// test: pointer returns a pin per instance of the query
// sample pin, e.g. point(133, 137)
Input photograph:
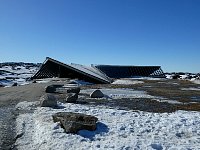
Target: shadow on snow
point(101, 129)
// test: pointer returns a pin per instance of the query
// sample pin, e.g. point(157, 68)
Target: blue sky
point(126, 32)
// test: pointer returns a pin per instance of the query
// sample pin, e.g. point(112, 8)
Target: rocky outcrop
point(48, 100)
point(73, 122)
point(96, 94)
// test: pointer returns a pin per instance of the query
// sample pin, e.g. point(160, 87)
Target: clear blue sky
point(126, 32)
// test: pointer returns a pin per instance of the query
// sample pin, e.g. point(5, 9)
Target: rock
point(73, 90)
point(73, 122)
point(52, 88)
point(14, 84)
point(48, 100)
point(71, 97)
point(175, 76)
point(34, 81)
point(96, 94)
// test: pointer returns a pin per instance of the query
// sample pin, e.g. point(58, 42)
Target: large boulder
point(73, 122)
point(48, 100)
point(96, 94)
point(71, 97)
point(52, 88)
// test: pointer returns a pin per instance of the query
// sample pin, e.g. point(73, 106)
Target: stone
point(48, 100)
point(175, 76)
point(73, 122)
point(52, 88)
point(96, 94)
point(14, 84)
point(71, 97)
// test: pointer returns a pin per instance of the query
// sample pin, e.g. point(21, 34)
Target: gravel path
point(9, 97)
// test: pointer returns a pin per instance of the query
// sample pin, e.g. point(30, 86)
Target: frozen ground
point(127, 81)
point(120, 93)
point(116, 129)
point(18, 74)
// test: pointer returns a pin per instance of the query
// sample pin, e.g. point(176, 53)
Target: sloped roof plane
point(53, 68)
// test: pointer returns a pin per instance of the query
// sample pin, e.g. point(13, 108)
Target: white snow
point(191, 89)
point(120, 93)
point(196, 81)
point(18, 74)
point(185, 76)
point(127, 81)
point(79, 82)
point(147, 78)
point(116, 129)
point(168, 76)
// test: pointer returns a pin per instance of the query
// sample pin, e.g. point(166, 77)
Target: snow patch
point(127, 81)
point(196, 81)
point(190, 89)
point(116, 129)
point(120, 93)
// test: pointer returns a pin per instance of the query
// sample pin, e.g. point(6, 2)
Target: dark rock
point(176, 76)
point(71, 97)
point(14, 84)
point(52, 88)
point(34, 81)
point(96, 94)
point(73, 122)
point(48, 100)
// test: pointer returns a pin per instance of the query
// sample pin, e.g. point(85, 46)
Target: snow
point(79, 82)
point(120, 93)
point(147, 78)
point(191, 89)
point(45, 80)
point(18, 74)
point(116, 129)
point(185, 76)
point(127, 81)
point(168, 76)
point(196, 81)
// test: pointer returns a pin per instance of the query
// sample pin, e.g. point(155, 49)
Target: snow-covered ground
point(120, 93)
point(18, 74)
point(127, 81)
point(116, 129)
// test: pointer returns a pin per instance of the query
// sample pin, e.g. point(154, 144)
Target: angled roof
point(116, 71)
point(53, 68)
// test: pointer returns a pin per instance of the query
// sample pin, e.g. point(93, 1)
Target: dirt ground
point(9, 97)
point(169, 89)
